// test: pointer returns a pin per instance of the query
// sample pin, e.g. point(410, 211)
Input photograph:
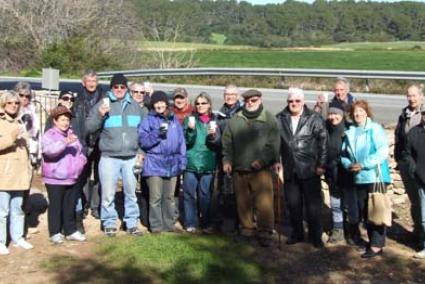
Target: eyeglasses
point(251, 101)
point(138, 92)
point(68, 99)
point(119, 87)
point(13, 103)
point(25, 96)
point(230, 94)
point(294, 101)
point(202, 103)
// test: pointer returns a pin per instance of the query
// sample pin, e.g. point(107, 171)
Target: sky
point(309, 1)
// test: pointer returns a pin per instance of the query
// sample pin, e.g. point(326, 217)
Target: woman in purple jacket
point(63, 162)
point(161, 138)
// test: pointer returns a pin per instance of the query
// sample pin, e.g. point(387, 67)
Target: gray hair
point(89, 73)
point(23, 87)
point(344, 81)
point(7, 96)
point(417, 86)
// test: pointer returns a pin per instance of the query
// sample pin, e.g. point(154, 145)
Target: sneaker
point(57, 239)
point(420, 254)
point(337, 235)
point(22, 243)
point(76, 236)
point(134, 232)
point(3, 250)
point(191, 230)
point(110, 232)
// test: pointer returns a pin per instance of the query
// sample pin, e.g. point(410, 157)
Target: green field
point(393, 45)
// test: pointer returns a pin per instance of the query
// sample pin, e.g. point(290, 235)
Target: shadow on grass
point(170, 258)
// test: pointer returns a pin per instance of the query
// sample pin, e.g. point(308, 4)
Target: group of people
point(191, 162)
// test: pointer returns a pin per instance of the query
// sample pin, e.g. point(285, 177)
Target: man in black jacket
point(415, 155)
point(89, 95)
point(304, 152)
point(410, 117)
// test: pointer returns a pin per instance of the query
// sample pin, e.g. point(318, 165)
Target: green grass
point(392, 45)
point(165, 258)
point(152, 45)
point(363, 60)
point(218, 38)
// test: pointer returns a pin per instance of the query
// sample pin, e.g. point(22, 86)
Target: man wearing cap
point(250, 147)
point(89, 95)
point(304, 152)
point(415, 155)
point(410, 117)
point(117, 117)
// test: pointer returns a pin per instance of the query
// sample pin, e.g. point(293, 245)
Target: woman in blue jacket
point(161, 138)
point(365, 154)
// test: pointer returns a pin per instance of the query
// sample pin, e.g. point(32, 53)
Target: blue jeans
point(197, 187)
point(336, 206)
point(11, 201)
point(110, 170)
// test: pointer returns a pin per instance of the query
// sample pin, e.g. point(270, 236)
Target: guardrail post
point(366, 87)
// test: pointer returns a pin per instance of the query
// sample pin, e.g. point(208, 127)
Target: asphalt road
point(386, 108)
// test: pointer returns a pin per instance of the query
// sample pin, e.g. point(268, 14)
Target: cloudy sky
point(310, 1)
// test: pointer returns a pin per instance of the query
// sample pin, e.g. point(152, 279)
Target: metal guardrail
point(277, 72)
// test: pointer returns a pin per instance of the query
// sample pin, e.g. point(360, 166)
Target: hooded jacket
point(306, 150)
point(62, 162)
point(165, 156)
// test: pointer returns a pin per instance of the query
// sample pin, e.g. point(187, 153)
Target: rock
point(399, 191)
point(398, 199)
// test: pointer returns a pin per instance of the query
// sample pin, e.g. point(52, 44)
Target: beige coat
point(15, 166)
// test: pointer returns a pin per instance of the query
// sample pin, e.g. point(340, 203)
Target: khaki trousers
point(254, 190)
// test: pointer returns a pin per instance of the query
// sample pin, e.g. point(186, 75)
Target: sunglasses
point(71, 99)
point(294, 101)
point(251, 101)
point(138, 92)
point(25, 96)
point(119, 87)
point(13, 103)
point(203, 103)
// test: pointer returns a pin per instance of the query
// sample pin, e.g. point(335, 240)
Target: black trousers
point(89, 185)
point(308, 192)
point(61, 214)
point(356, 203)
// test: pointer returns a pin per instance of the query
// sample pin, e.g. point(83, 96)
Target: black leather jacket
point(303, 152)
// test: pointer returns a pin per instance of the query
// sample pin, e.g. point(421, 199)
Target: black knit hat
point(118, 79)
point(159, 96)
point(336, 107)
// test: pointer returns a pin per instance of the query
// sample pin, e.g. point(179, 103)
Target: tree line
point(291, 23)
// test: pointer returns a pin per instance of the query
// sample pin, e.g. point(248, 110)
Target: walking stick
point(279, 179)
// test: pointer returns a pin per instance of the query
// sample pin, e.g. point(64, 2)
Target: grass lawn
point(367, 45)
point(168, 258)
point(362, 59)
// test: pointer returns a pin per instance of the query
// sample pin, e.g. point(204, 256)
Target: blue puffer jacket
point(369, 147)
point(165, 157)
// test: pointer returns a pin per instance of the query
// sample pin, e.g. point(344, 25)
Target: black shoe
point(370, 253)
point(265, 242)
point(134, 232)
point(293, 240)
point(110, 232)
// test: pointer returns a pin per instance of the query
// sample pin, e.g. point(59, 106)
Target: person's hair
point(344, 81)
point(362, 104)
point(135, 83)
point(23, 87)
point(89, 73)
point(417, 86)
point(230, 86)
point(7, 96)
point(204, 95)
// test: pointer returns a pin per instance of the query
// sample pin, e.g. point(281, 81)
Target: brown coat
point(15, 167)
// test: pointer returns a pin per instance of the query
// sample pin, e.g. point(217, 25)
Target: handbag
point(379, 204)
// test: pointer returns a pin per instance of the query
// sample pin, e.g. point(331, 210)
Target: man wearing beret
point(250, 148)
point(117, 116)
point(304, 154)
